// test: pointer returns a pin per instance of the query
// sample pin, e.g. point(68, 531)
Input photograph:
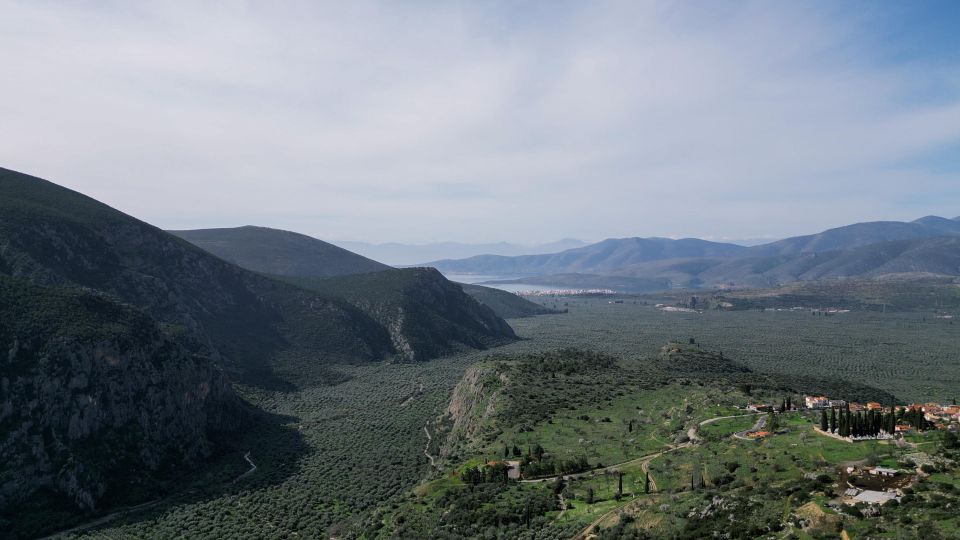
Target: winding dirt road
point(253, 467)
point(426, 449)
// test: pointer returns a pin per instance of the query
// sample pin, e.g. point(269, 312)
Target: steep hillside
point(282, 253)
point(54, 236)
point(289, 254)
point(96, 396)
point(425, 314)
point(600, 258)
point(505, 304)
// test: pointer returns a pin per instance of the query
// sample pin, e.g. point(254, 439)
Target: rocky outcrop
point(472, 403)
point(93, 393)
point(425, 314)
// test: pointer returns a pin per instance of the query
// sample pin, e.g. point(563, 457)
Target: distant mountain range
point(860, 234)
point(416, 254)
point(603, 257)
point(929, 245)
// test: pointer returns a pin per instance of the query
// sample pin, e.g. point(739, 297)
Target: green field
point(914, 356)
point(602, 433)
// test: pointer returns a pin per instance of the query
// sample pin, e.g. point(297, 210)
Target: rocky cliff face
point(434, 316)
point(93, 392)
point(472, 405)
point(425, 314)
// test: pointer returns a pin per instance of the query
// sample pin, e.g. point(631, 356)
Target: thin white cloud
point(476, 122)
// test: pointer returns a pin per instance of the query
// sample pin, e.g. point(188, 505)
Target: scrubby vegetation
point(931, 295)
point(910, 355)
point(361, 455)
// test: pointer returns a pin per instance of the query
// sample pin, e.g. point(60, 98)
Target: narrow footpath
point(426, 449)
point(253, 467)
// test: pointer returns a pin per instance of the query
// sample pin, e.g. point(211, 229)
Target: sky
point(486, 121)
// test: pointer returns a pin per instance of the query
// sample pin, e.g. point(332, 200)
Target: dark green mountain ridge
point(56, 237)
point(283, 253)
point(98, 395)
point(287, 254)
point(425, 314)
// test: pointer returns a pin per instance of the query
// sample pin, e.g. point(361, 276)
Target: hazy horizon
point(479, 123)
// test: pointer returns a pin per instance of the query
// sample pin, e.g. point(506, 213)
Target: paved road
point(761, 422)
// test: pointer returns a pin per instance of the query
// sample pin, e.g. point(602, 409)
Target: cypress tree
point(823, 420)
point(646, 484)
point(833, 420)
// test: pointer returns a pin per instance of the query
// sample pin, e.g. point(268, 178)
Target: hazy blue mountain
point(273, 251)
point(415, 254)
point(857, 235)
point(905, 258)
point(947, 226)
point(603, 257)
point(858, 250)
point(939, 255)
